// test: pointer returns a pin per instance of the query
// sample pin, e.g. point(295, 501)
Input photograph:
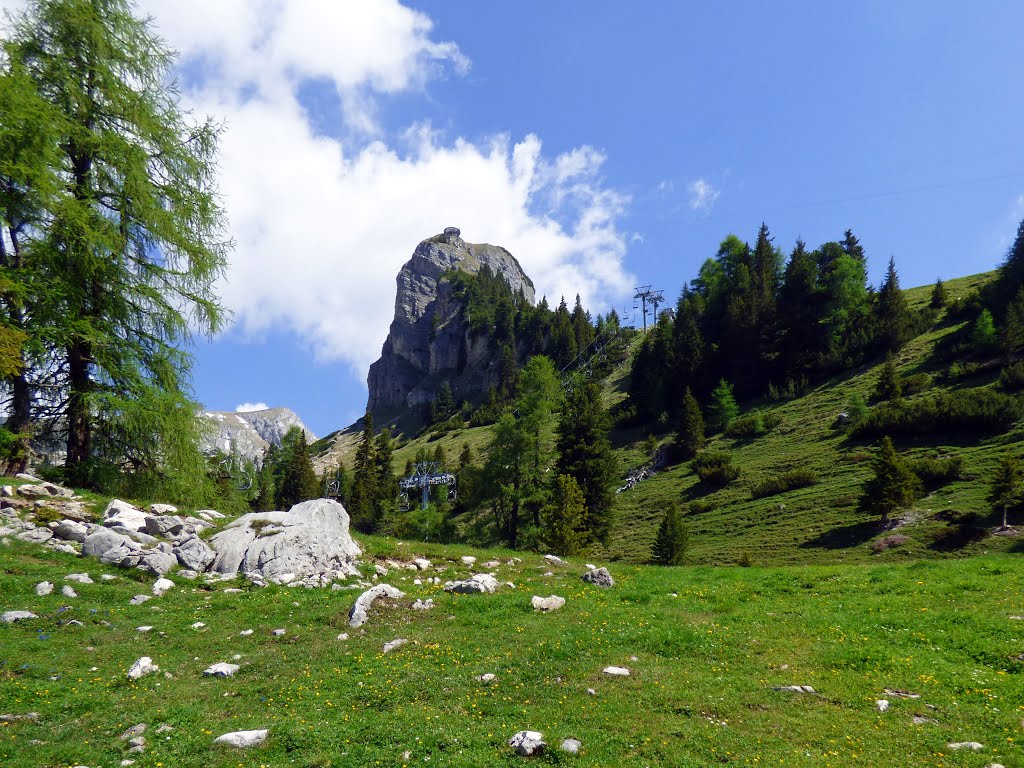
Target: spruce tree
point(563, 520)
point(689, 428)
point(298, 478)
point(722, 409)
point(672, 538)
point(892, 315)
point(585, 453)
point(1011, 335)
point(385, 482)
point(889, 385)
point(1007, 489)
point(940, 297)
point(983, 336)
point(134, 240)
point(363, 498)
point(893, 486)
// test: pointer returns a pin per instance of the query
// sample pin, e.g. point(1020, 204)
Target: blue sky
point(606, 144)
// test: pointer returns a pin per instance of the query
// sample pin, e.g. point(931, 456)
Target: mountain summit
point(429, 341)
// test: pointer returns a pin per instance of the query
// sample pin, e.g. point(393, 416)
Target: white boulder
point(242, 739)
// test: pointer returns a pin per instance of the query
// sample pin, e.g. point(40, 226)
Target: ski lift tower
point(646, 295)
point(424, 475)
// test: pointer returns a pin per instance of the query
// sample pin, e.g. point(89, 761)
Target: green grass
point(709, 645)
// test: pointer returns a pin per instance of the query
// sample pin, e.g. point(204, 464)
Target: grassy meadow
point(706, 647)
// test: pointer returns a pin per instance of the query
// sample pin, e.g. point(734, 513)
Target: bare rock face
point(250, 434)
point(429, 340)
point(310, 540)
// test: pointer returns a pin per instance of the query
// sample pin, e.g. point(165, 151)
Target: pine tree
point(266, 494)
point(722, 409)
point(1012, 333)
point(363, 498)
point(983, 336)
point(672, 539)
point(585, 453)
point(1011, 275)
point(385, 482)
point(940, 296)
point(689, 428)
point(134, 240)
point(298, 478)
point(893, 485)
point(563, 519)
point(892, 315)
point(1007, 490)
point(889, 385)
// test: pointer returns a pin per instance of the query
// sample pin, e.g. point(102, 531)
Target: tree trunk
point(79, 425)
point(19, 421)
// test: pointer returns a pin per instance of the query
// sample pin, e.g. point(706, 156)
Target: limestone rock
point(360, 612)
point(80, 578)
point(142, 667)
point(221, 669)
point(616, 671)
point(242, 739)
point(44, 588)
point(157, 562)
point(160, 586)
point(163, 509)
point(527, 743)
point(101, 540)
point(397, 643)
point(71, 530)
point(134, 732)
point(547, 604)
point(429, 341)
point(68, 591)
point(250, 434)
point(35, 535)
point(193, 554)
point(487, 677)
point(122, 514)
point(555, 560)
point(477, 583)
point(421, 563)
point(599, 577)
point(9, 617)
point(572, 746)
point(163, 525)
point(467, 560)
point(139, 599)
point(971, 746)
point(311, 539)
point(882, 705)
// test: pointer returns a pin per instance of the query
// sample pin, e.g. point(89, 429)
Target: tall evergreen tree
point(889, 385)
point(722, 409)
point(363, 498)
point(585, 453)
point(582, 326)
point(385, 482)
point(892, 315)
point(562, 344)
point(672, 538)
point(1011, 335)
point(133, 242)
point(893, 486)
point(298, 478)
point(940, 296)
point(1007, 489)
point(1011, 275)
point(563, 519)
point(799, 329)
point(689, 428)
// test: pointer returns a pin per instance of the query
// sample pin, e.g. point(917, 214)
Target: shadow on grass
point(964, 528)
point(844, 536)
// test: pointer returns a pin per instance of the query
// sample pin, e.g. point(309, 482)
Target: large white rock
point(360, 612)
point(528, 743)
point(143, 666)
point(12, 616)
point(44, 588)
point(547, 604)
point(160, 586)
point(35, 535)
point(121, 513)
point(71, 530)
point(193, 554)
point(100, 540)
point(310, 539)
point(242, 739)
point(221, 669)
point(477, 583)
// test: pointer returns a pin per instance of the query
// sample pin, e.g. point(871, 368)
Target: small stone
point(144, 629)
point(591, 692)
point(126, 763)
point(423, 605)
point(342, 637)
point(897, 694)
point(972, 746)
point(144, 666)
point(922, 720)
point(74, 623)
point(139, 599)
point(599, 577)
point(616, 671)
point(547, 604)
point(478, 583)
point(134, 731)
point(467, 560)
point(138, 744)
point(421, 563)
point(237, 656)
point(246, 632)
point(108, 577)
point(68, 591)
point(221, 669)
point(492, 564)
point(44, 588)
point(882, 705)
point(160, 586)
point(27, 716)
point(9, 617)
point(794, 688)
point(527, 743)
point(81, 578)
point(279, 632)
point(572, 746)
point(398, 643)
point(555, 560)
point(242, 739)
point(231, 591)
point(164, 728)
point(198, 625)
point(486, 678)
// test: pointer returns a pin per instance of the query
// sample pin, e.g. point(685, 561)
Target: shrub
point(699, 507)
point(971, 411)
point(715, 468)
point(745, 560)
point(1011, 378)
point(753, 425)
point(915, 384)
point(785, 481)
point(935, 471)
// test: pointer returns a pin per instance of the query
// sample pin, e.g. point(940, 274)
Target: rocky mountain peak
point(249, 434)
point(428, 343)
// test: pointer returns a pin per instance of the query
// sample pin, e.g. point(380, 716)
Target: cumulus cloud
point(702, 196)
point(249, 407)
point(322, 223)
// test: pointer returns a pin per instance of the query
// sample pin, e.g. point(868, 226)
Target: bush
point(699, 507)
point(915, 384)
point(753, 425)
point(1011, 378)
point(935, 471)
point(786, 481)
point(970, 411)
point(715, 468)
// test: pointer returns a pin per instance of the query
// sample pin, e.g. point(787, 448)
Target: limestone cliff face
point(250, 434)
point(429, 341)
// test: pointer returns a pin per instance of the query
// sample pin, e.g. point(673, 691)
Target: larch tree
point(134, 237)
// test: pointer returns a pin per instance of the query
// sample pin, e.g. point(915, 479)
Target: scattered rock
point(123, 515)
point(80, 578)
point(528, 743)
point(134, 732)
point(144, 629)
point(44, 588)
point(794, 688)
point(279, 632)
point(193, 553)
point(163, 509)
point(423, 605)
point(896, 694)
point(242, 739)
point(591, 692)
point(547, 604)
point(25, 716)
point(27, 477)
point(198, 625)
point(10, 617)
point(486, 678)
point(555, 560)
point(467, 560)
point(492, 564)
point(160, 586)
point(922, 720)
point(599, 577)
point(139, 599)
point(144, 666)
point(71, 530)
point(342, 637)
point(246, 632)
point(616, 671)
point(422, 563)
point(35, 535)
point(397, 643)
point(221, 669)
point(360, 612)
point(572, 746)
point(475, 584)
point(99, 541)
point(882, 705)
point(973, 746)
point(68, 591)
point(164, 728)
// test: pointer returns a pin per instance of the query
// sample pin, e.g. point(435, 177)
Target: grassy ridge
point(706, 647)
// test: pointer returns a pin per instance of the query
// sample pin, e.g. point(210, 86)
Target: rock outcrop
point(429, 340)
point(249, 434)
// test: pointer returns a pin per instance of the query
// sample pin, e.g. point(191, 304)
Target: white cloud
point(702, 196)
point(322, 225)
point(249, 407)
